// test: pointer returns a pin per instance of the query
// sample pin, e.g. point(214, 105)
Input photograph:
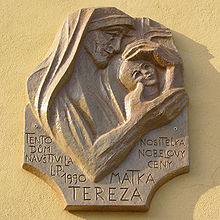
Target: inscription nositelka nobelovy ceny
point(106, 123)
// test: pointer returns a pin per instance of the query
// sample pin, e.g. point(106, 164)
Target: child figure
point(139, 75)
point(132, 72)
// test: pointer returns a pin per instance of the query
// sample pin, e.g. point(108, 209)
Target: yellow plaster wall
point(27, 28)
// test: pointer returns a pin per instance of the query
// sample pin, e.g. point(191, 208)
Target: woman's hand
point(157, 112)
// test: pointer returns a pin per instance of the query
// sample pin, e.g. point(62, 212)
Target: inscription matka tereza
point(106, 122)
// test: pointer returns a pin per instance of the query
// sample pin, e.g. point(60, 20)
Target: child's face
point(132, 72)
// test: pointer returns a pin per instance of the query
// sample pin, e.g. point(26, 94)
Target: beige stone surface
point(158, 157)
point(104, 119)
point(27, 30)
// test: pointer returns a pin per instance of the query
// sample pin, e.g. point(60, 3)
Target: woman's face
point(132, 72)
point(104, 44)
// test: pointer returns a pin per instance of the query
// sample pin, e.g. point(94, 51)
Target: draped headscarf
point(49, 77)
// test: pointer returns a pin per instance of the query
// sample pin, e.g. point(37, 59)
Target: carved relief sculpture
point(109, 92)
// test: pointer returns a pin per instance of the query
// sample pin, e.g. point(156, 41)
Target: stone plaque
point(106, 123)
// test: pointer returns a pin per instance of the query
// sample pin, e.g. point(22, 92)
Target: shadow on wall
point(202, 85)
point(177, 198)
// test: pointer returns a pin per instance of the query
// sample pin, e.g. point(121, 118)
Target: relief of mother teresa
point(77, 97)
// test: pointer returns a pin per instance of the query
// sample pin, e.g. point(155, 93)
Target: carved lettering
point(139, 178)
point(167, 154)
point(162, 142)
point(136, 194)
point(98, 191)
point(123, 195)
point(126, 178)
point(113, 175)
point(85, 193)
point(41, 139)
point(150, 179)
point(159, 164)
point(56, 170)
point(111, 194)
point(73, 178)
point(74, 189)
point(133, 177)
point(133, 172)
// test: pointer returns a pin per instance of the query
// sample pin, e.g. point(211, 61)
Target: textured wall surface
point(27, 29)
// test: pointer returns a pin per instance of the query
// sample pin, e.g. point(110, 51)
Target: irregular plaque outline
point(68, 102)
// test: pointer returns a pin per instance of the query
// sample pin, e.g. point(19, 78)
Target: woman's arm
point(113, 147)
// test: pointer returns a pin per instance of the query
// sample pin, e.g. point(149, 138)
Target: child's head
point(140, 66)
point(134, 71)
